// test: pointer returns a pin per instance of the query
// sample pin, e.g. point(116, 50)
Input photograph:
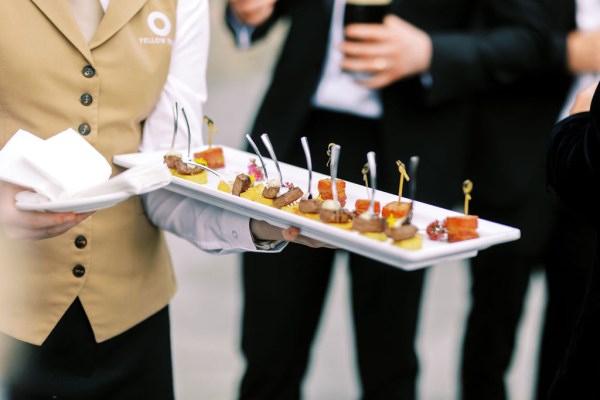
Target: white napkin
point(66, 166)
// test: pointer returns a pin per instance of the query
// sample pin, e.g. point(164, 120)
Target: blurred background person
point(507, 164)
point(574, 242)
point(422, 64)
point(573, 166)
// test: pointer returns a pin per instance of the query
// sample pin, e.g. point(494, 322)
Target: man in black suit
point(425, 61)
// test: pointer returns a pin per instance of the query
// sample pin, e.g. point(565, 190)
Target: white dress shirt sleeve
point(210, 228)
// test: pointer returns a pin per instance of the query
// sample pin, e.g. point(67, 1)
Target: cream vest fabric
point(43, 55)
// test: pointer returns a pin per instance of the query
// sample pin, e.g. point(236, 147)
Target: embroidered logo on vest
point(160, 25)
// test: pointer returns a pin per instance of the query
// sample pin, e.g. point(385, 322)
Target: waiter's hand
point(32, 225)
point(583, 100)
point(583, 51)
point(252, 12)
point(262, 230)
point(390, 51)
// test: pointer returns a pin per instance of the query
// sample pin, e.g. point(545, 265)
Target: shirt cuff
point(242, 236)
point(268, 244)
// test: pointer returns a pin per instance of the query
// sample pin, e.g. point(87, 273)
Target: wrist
point(264, 235)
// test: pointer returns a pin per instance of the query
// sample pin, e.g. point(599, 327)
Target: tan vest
point(45, 86)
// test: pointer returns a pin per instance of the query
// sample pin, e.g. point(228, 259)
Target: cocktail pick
point(190, 160)
point(175, 127)
point(269, 146)
point(334, 155)
point(467, 187)
point(204, 167)
point(403, 176)
point(372, 170)
point(187, 124)
point(262, 161)
point(304, 141)
point(211, 129)
point(412, 168)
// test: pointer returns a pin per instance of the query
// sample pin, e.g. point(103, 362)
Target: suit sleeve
point(507, 40)
point(573, 161)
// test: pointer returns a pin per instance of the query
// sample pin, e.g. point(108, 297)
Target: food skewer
point(204, 167)
point(273, 187)
point(269, 146)
point(334, 154)
point(412, 167)
point(308, 204)
point(211, 129)
point(213, 155)
point(190, 161)
point(372, 171)
point(304, 141)
point(175, 127)
point(462, 227)
point(361, 206)
point(331, 211)
point(412, 188)
point(398, 208)
point(369, 222)
point(467, 188)
point(403, 176)
point(187, 124)
point(280, 199)
point(262, 161)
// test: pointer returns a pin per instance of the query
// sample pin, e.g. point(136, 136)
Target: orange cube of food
point(214, 157)
point(324, 187)
point(398, 209)
point(461, 227)
point(362, 205)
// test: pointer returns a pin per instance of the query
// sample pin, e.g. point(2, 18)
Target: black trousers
point(568, 270)
point(500, 277)
point(578, 376)
point(284, 293)
point(70, 365)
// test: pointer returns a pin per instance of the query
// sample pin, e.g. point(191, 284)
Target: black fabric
point(284, 293)
point(573, 178)
point(572, 253)
point(70, 365)
point(579, 374)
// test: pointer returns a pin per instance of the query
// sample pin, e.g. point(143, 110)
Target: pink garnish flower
point(255, 170)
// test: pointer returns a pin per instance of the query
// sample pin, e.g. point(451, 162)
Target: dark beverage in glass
point(365, 11)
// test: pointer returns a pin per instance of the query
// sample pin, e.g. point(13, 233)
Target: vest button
point(78, 271)
point(80, 242)
point(86, 99)
point(88, 71)
point(84, 129)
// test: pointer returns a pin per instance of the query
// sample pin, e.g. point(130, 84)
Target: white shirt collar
point(104, 4)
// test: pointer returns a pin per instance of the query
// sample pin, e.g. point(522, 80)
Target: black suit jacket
point(573, 173)
point(477, 44)
point(509, 138)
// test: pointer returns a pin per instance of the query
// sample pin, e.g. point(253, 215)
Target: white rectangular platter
point(432, 252)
